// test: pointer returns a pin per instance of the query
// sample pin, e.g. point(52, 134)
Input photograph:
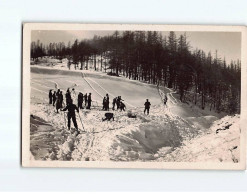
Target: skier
point(89, 101)
point(80, 100)
point(85, 98)
point(165, 100)
point(67, 96)
point(50, 96)
point(54, 98)
point(147, 106)
point(114, 101)
point(107, 102)
point(71, 114)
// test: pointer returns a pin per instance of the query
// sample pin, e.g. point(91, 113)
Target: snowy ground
point(178, 132)
point(219, 144)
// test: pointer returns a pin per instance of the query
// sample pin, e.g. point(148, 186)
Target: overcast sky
point(228, 44)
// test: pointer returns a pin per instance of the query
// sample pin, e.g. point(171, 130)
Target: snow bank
point(161, 136)
point(125, 139)
point(202, 122)
point(221, 143)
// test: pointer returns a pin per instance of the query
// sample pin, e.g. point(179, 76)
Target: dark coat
point(147, 104)
point(71, 108)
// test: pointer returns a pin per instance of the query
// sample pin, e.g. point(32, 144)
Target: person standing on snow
point(71, 114)
point(54, 98)
point(118, 102)
point(104, 103)
point(50, 96)
point(67, 96)
point(73, 95)
point(114, 101)
point(147, 106)
point(107, 102)
point(61, 99)
point(89, 101)
point(85, 98)
point(80, 100)
point(58, 91)
point(58, 102)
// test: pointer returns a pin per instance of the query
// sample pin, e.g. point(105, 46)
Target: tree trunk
point(101, 62)
point(95, 62)
point(87, 63)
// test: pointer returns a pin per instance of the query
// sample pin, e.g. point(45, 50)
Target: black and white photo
point(133, 96)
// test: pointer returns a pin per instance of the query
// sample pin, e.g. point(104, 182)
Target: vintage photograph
point(132, 96)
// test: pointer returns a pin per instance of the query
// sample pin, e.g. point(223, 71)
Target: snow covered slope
point(177, 132)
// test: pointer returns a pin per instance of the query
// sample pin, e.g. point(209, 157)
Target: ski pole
point(81, 122)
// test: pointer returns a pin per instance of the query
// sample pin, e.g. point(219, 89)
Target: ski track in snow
point(92, 86)
point(39, 90)
point(41, 85)
point(113, 96)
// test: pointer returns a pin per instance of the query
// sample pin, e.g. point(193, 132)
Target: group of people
point(84, 101)
point(106, 103)
point(118, 101)
point(56, 98)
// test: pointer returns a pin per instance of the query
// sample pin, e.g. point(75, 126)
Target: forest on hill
point(202, 78)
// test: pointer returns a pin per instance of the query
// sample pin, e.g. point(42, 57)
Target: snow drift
point(220, 143)
point(169, 138)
